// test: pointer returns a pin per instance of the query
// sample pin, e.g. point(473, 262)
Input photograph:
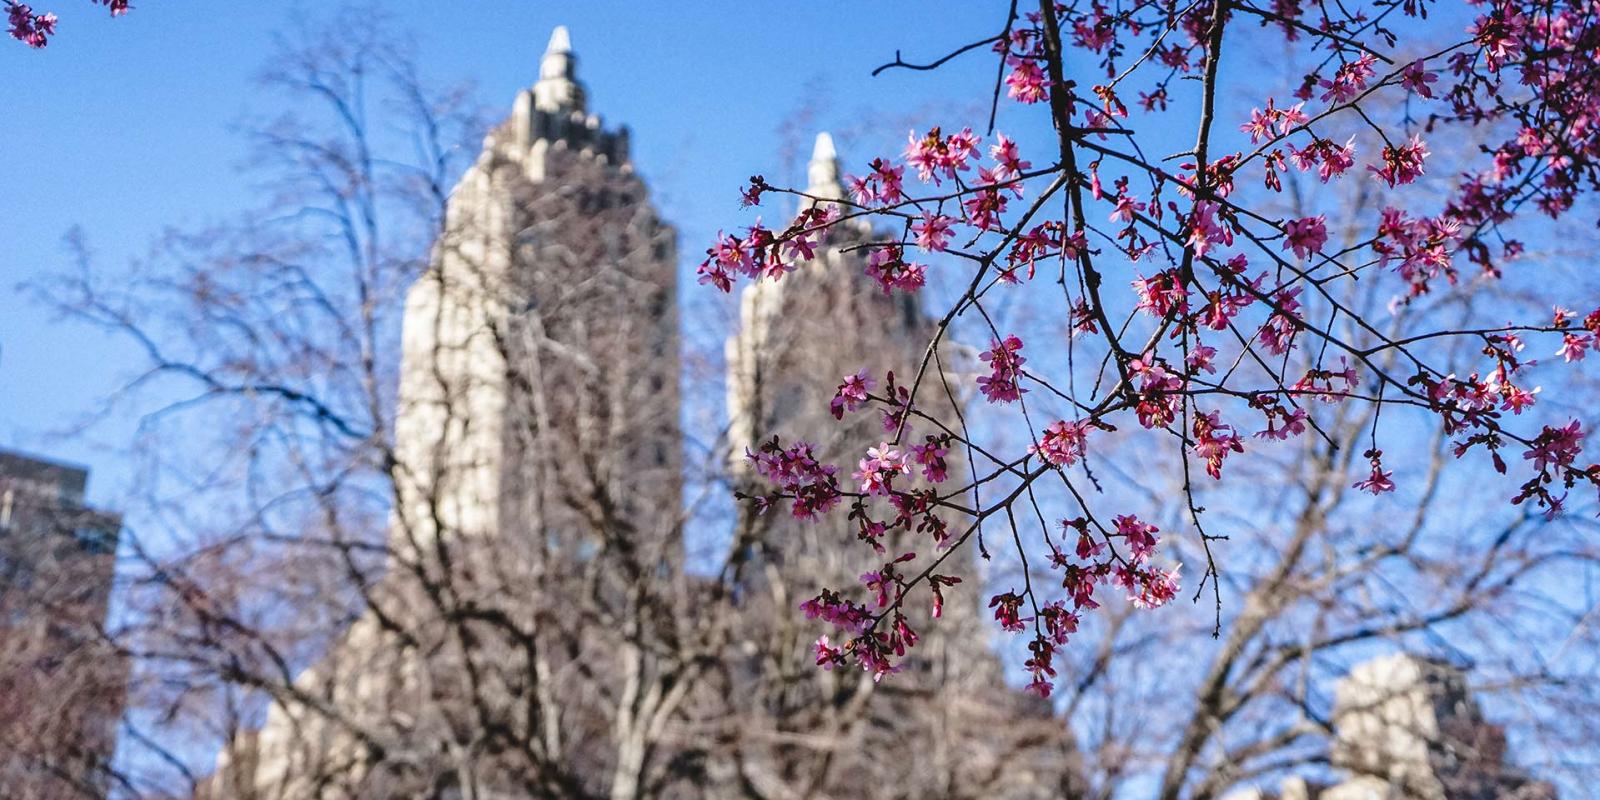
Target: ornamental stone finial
point(822, 174)
point(558, 88)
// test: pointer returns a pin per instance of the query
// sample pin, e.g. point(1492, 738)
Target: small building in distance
point(1409, 727)
point(62, 683)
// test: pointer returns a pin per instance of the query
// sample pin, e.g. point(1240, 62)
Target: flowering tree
point(35, 28)
point(1198, 320)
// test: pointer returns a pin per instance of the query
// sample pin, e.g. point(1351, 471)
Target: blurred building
point(61, 683)
point(797, 338)
point(537, 423)
point(1409, 727)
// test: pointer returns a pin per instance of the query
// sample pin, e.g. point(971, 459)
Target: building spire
point(822, 174)
point(560, 41)
point(558, 88)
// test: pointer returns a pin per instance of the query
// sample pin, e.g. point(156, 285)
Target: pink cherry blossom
point(1062, 443)
point(1305, 236)
point(1161, 294)
point(930, 455)
point(1026, 83)
point(876, 472)
point(1213, 441)
point(1417, 78)
point(1008, 610)
point(1403, 164)
point(1140, 537)
point(933, 232)
point(1378, 481)
point(1153, 588)
point(1556, 447)
point(851, 394)
point(1003, 383)
point(1573, 346)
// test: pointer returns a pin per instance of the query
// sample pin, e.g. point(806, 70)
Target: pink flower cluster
point(1576, 343)
point(1263, 122)
point(1146, 586)
point(1206, 231)
point(1039, 242)
point(1026, 83)
point(933, 232)
point(1329, 385)
point(35, 29)
point(877, 471)
point(1379, 480)
point(1402, 164)
point(811, 484)
point(930, 455)
point(1162, 294)
point(1419, 249)
point(882, 186)
point(1292, 421)
point(761, 253)
point(1349, 79)
point(936, 156)
point(833, 609)
point(1330, 159)
point(1160, 391)
point(1305, 236)
point(888, 267)
point(28, 27)
point(1003, 383)
point(851, 394)
point(1062, 443)
point(1277, 335)
point(873, 646)
point(1213, 441)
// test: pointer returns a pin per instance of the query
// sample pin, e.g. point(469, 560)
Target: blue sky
point(126, 127)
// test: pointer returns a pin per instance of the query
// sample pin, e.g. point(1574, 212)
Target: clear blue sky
point(123, 126)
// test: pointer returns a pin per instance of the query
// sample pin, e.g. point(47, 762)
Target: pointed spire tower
point(550, 239)
point(822, 174)
point(536, 418)
point(825, 180)
point(554, 113)
point(558, 88)
point(797, 337)
point(831, 305)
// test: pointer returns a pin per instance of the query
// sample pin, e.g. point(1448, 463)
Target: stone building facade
point(797, 338)
point(1408, 728)
point(536, 424)
point(539, 492)
point(62, 683)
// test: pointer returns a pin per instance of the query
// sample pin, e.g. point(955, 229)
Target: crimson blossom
point(1208, 325)
point(35, 28)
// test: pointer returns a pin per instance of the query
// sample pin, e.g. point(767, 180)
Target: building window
point(95, 541)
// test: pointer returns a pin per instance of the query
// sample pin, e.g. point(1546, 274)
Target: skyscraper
point(61, 682)
point(798, 337)
point(536, 430)
point(540, 349)
point(537, 632)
